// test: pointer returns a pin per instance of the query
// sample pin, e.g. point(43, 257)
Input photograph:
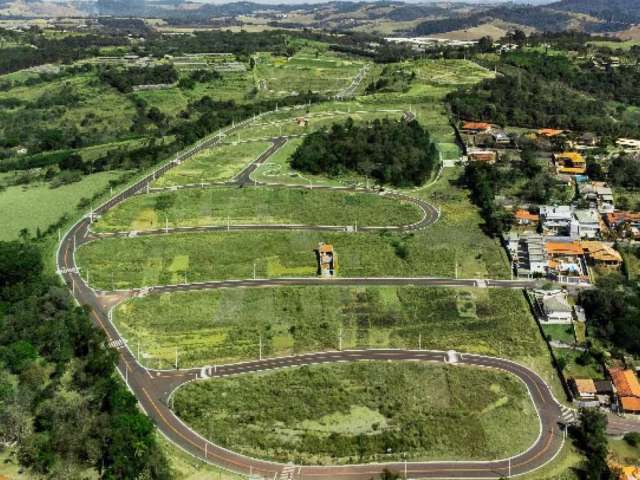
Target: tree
point(591, 438)
point(19, 262)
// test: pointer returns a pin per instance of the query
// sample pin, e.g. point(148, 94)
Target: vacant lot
point(216, 206)
point(214, 164)
point(227, 325)
point(365, 412)
point(309, 69)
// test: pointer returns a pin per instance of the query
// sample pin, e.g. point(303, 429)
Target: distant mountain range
point(465, 19)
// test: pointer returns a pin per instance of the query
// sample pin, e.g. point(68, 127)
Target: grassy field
point(251, 205)
point(144, 261)
point(365, 412)
point(215, 164)
point(455, 245)
point(624, 45)
point(226, 325)
point(308, 69)
point(38, 205)
point(623, 453)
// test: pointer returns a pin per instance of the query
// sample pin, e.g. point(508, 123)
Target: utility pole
point(254, 271)
point(88, 277)
point(176, 358)
point(59, 236)
point(228, 223)
point(166, 224)
point(420, 341)
point(260, 347)
point(340, 339)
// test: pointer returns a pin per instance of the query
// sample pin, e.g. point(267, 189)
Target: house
point(625, 223)
point(558, 220)
point(583, 389)
point(524, 217)
point(555, 307)
point(474, 128)
point(570, 163)
point(501, 138)
point(601, 255)
point(604, 391)
point(566, 259)
point(628, 144)
point(626, 388)
point(527, 253)
point(598, 194)
point(550, 132)
point(588, 223)
point(486, 156)
point(327, 260)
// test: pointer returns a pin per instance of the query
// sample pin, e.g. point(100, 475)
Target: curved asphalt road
point(153, 388)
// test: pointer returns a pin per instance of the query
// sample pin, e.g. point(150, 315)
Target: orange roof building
point(585, 388)
point(601, 253)
point(525, 217)
point(549, 132)
point(615, 219)
point(627, 387)
point(565, 249)
point(476, 127)
point(626, 382)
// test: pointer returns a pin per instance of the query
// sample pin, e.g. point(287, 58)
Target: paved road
point(153, 388)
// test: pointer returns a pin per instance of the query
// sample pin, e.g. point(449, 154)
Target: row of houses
point(620, 391)
point(534, 255)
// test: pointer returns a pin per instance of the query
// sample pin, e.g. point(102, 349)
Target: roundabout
point(154, 388)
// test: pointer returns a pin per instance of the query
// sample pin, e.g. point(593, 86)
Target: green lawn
point(632, 261)
point(214, 327)
point(560, 333)
point(257, 205)
point(38, 205)
point(214, 164)
point(575, 369)
point(365, 412)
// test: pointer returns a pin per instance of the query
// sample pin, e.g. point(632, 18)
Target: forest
point(61, 403)
point(391, 152)
point(528, 100)
point(50, 50)
point(125, 79)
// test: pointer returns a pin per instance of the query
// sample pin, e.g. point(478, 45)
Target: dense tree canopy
point(61, 404)
point(613, 312)
point(393, 152)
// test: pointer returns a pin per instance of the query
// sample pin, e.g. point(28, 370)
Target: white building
point(588, 223)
